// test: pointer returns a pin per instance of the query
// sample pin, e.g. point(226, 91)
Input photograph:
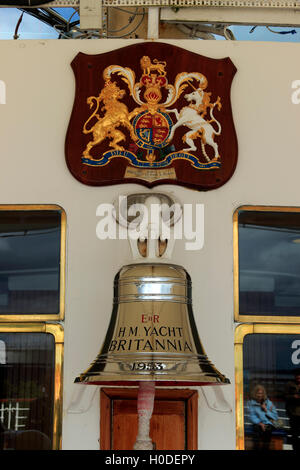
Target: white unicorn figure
point(191, 116)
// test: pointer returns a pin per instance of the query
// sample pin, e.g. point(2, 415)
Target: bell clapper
point(145, 404)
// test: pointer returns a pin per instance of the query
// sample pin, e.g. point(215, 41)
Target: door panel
point(173, 424)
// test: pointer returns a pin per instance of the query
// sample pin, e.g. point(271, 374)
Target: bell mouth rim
point(158, 383)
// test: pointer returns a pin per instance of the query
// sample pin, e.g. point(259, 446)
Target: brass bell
point(152, 335)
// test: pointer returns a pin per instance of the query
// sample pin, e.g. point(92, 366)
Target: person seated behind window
point(262, 414)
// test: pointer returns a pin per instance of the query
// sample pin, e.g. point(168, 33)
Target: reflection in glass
point(269, 263)
point(269, 363)
point(27, 363)
point(29, 261)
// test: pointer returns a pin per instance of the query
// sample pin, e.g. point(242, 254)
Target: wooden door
point(174, 423)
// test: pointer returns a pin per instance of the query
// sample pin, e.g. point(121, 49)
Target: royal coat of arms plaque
point(152, 113)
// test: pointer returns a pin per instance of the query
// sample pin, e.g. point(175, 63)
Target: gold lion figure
point(116, 114)
point(147, 66)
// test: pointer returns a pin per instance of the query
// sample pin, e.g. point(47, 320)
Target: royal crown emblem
point(152, 114)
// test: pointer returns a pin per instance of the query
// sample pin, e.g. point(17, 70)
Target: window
point(266, 355)
point(32, 262)
point(267, 264)
point(30, 386)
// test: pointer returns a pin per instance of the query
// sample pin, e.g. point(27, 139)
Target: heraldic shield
point(152, 113)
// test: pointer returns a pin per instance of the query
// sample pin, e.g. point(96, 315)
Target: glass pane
point(271, 362)
point(27, 365)
point(269, 263)
point(29, 262)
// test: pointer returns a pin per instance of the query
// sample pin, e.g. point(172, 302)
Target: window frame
point(240, 332)
point(24, 317)
point(58, 332)
point(254, 318)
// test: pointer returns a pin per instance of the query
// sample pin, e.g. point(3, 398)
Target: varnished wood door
point(173, 426)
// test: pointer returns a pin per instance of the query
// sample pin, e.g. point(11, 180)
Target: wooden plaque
point(152, 113)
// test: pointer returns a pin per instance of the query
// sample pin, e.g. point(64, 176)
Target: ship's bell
point(152, 335)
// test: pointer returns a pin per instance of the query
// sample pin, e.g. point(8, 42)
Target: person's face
point(259, 394)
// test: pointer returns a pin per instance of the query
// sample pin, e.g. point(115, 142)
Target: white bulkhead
point(34, 116)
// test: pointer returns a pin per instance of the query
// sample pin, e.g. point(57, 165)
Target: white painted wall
point(33, 122)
